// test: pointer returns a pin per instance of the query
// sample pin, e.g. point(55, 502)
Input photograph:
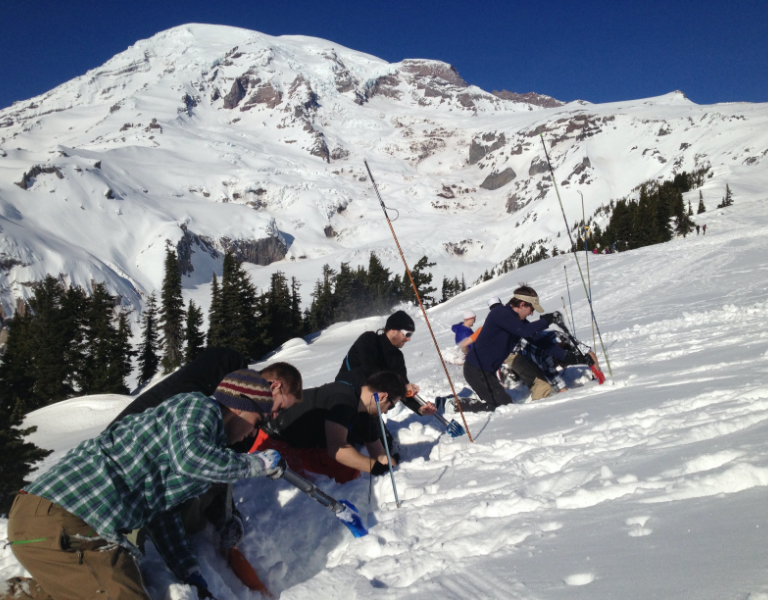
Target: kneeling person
point(318, 436)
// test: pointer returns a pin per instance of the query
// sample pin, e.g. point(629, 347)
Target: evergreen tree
point(702, 208)
point(323, 309)
point(728, 200)
point(380, 289)
point(277, 312)
point(297, 322)
point(193, 335)
point(215, 315)
point(17, 376)
point(690, 209)
point(148, 360)
point(48, 345)
point(422, 278)
point(97, 375)
point(121, 354)
point(17, 456)
point(172, 314)
point(238, 312)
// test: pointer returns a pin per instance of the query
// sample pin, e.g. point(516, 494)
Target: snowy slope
point(650, 486)
point(205, 138)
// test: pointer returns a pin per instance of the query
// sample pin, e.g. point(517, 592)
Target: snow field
point(650, 486)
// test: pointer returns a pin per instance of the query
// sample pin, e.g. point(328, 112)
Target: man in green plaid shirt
point(68, 527)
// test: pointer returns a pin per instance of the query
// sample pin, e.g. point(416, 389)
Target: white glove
point(268, 463)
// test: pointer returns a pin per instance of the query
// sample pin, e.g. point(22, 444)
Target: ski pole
point(418, 299)
point(568, 287)
point(586, 252)
point(386, 447)
point(575, 256)
point(565, 310)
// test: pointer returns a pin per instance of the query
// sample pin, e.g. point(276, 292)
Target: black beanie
point(400, 320)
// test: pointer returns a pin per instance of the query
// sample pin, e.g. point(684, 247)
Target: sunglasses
point(407, 334)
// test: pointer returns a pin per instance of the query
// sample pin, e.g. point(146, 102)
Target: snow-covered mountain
point(208, 138)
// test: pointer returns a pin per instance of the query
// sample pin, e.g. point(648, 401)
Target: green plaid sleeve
point(197, 445)
point(170, 539)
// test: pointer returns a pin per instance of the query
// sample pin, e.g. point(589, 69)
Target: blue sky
point(596, 50)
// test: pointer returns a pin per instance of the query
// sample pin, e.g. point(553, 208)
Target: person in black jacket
point(381, 351)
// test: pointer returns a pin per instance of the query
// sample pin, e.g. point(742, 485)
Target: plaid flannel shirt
point(141, 469)
point(544, 360)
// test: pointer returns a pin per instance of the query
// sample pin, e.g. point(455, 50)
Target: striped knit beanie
point(245, 390)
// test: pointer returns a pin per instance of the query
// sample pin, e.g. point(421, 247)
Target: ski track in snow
point(652, 485)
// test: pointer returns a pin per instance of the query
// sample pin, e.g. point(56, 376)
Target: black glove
point(379, 469)
point(232, 532)
point(550, 318)
point(571, 358)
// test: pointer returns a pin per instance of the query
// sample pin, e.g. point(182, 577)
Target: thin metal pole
point(575, 255)
point(565, 310)
point(586, 252)
point(418, 299)
point(568, 287)
point(386, 447)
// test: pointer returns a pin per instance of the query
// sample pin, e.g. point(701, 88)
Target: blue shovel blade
point(352, 519)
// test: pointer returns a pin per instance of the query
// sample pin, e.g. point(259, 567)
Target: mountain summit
point(210, 138)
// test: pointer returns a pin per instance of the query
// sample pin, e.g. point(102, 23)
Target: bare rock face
point(258, 252)
point(28, 179)
point(426, 70)
point(488, 142)
point(529, 98)
point(236, 93)
point(494, 181)
point(538, 166)
point(186, 246)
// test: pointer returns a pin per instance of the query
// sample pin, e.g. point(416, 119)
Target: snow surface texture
point(650, 486)
point(204, 138)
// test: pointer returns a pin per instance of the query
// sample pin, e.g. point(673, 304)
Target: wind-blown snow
point(650, 486)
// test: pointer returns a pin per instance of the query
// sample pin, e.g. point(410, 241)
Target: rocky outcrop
point(488, 142)
point(529, 98)
point(494, 181)
point(538, 166)
point(28, 179)
point(186, 247)
point(258, 252)
point(236, 93)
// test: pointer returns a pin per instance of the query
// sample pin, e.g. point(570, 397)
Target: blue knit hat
point(245, 390)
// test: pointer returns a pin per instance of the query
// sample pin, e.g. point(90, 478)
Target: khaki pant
point(530, 374)
point(66, 556)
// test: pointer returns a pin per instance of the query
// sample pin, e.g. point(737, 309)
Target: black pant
point(527, 370)
point(488, 387)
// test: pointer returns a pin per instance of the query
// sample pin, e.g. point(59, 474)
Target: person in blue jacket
point(463, 330)
point(501, 333)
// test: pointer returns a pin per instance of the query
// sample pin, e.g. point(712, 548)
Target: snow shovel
point(344, 510)
point(452, 427)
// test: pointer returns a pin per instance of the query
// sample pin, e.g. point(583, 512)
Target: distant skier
point(319, 435)
point(697, 229)
point(501, 333)
point(704, 229)
point(463, 331)
point(67, 528)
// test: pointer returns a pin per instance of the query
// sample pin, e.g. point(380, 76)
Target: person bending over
point(319, 435)
point(501, 333)
point(67, 528)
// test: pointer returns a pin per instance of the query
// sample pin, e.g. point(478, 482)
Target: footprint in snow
point(580, 579)
point(638, 528)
